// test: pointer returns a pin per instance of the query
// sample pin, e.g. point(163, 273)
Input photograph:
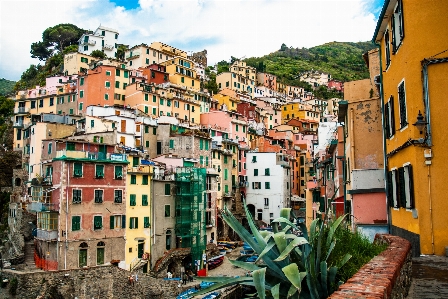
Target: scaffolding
point(190, 209)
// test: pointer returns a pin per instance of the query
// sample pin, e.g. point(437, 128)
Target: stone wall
point(386, 276)
point(94, 282)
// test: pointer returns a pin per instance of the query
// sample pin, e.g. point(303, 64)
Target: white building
point(103, 39)
point(269, 187)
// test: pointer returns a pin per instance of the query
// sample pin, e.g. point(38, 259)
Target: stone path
point(429, 278)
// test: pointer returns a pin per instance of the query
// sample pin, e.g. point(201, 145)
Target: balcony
point(90, 155)
point(18, 125)
point(47, 234)
point(108, 47)
point(36, 206)
point(90, 42)
point(133, 55)
point(21, 110)
point(139, 169)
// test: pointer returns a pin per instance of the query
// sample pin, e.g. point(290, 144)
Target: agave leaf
point(285, 213)
point(286, 229)
point(260, 240)
point(294, 276)
point(244, 265)
point(313, 229)
point(334, 226)
point(280, 241)
point(330, 249)
point(332, 275)
point(266, 250)
point(221, 284)
point(296, 242)
point(284, 220)
point(265, 234)
point(259, 281)
point(344, 260)
point(275, 291)
point(275, 227)
point(292, 290)
point(312, 286)
point(319, 246)
point(323, 278)
point(303, 229)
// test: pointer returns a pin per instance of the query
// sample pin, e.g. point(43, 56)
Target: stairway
point(29, 255)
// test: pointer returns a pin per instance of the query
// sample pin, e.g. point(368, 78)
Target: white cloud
point(224, 27)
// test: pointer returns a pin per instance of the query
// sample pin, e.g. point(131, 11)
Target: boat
point(215, 262)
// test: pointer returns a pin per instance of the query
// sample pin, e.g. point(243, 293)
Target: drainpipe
point(66, 218)
point(383, 121)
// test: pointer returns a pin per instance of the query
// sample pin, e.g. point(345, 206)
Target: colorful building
point(413, 90)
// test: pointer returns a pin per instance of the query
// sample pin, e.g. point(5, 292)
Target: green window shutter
point(214, 155)
point(132, 201)
point(135, 161)
point(50, 145)
point(226, 188)
point(171, 143)
point(206, 161)
point(146, 97)
point(225, 174)
point(117, 84)
point(154, 99)
point(92, 123)
point(145, 222)
point(267, 185)
point(112, 222)
point(201, 144)
point(255, 172)
point(402, 187)
point(225, 159)
point(236, 126)
point(167, 210)
point(146, 129)
point(118, 172)
point(77, 169)
point(123, 221)
point(133, 179)
point(206, 145)
point(145, 180)
point(254, 159)
point(167, 189)
point(154, 131)
point(126, 74)
point(99, 171)
point(81, 81)
point(267, 171)
point(97, 222)
point(76, 223)
point(147, 143)
point(107, 84)
point(201, 160)
point(144, 200)
point(71, 111)
point(154, 111)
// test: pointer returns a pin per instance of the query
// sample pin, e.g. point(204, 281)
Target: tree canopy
point(56, 38)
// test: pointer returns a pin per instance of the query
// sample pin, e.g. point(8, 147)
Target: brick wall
point(386, 276)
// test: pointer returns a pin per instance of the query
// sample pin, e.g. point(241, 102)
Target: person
point(184, 278)
point(169, 274)
point(131, 280)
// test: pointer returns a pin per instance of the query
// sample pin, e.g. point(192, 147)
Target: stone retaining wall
point(92, 282)
point(386, 276)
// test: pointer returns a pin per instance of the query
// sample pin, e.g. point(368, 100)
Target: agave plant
point(288, 265)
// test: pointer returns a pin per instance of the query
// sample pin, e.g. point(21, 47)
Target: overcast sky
point(224, 27)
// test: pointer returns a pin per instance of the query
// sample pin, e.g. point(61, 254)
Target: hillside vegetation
point(6, 86)
point(343, 60)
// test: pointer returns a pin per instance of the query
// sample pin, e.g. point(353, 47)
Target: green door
point(82, 258)
point(141, 246)
point(100, 256)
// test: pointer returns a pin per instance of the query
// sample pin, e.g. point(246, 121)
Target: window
point(126, 74)
point(266, 171)
point(133, 222)
point(167, 189)
point(402, 105)
point(144, 200)
point(50, 145)
point(98, 196)
point(100, 253)
point(118, 198)
point(267, 185)
point(107, 73)
point(117, 221)
point(117, 84)
point(145, 179)
point(255, 172)
point(397, 27)
point(389, 118)
point(167, 210)
point(76, 196)
point(106, 96)
point(171, 143)
point(266, 202)
point(146, 222)
point(99, 171)
point(77, 169)
point(97, 222)
point(51, 101)
point(254, 159)
point(41, 103)
point(256, 185)
point(206, 145)
point(387, 48)
point(133, 179)
point(118, 172)
point(400, 187)
point(76, 223)
point(226, 175)
point(33, 104)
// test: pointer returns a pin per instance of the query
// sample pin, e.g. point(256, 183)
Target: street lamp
point(420, 123)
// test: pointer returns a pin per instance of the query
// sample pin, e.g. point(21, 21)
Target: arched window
point(100, 253)
point(168, 239)
point(83, 254)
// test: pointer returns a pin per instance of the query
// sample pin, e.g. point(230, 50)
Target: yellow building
point(414, 68)
point(236, 82)
point(241, 68)
point(138, 215)
point(182, 73)
point(76, 62)
point(297, 109)
point(230, 102)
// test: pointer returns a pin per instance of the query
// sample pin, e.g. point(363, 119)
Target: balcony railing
point(21, 110)
point(108, 47)
point(46, 234)
point(18, 124)
point(90, 155)
point(140, 169)
point(36, 206)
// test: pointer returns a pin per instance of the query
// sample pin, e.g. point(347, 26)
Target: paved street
point(429, 278)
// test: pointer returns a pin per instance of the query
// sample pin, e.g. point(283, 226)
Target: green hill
point(343, 60)
point(6, 86)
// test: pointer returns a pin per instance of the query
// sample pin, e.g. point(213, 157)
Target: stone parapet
point(386, 276)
